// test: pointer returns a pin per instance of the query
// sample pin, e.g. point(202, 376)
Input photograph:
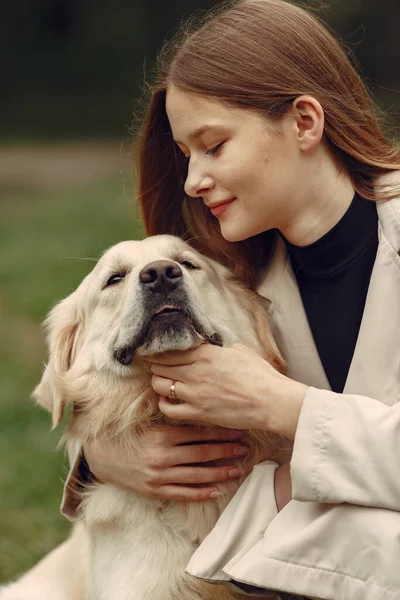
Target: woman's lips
point(218, 209)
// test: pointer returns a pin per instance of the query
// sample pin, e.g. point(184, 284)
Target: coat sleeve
point(240, 526)
point(345, 450)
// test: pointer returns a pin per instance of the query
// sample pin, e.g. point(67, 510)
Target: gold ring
point(172, 395)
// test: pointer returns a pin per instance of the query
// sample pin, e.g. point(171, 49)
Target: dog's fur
point(129, 547)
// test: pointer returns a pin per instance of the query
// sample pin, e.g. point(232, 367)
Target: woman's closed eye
point(215, 149)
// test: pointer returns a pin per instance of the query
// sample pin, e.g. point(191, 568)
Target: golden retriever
point(142, 298)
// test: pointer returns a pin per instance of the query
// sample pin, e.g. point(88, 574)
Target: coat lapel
point(374, 370)
point(289, 322)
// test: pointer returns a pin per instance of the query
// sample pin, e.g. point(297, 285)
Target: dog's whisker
point(80, 258)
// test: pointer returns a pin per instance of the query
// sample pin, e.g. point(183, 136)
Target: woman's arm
point(346, 450)
point(231, 387)
point(345, 446)
point(170, 464)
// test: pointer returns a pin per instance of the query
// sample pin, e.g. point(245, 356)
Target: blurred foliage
point(75, 66)
point(43, 232)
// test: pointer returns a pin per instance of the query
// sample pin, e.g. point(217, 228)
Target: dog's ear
point(62, 326)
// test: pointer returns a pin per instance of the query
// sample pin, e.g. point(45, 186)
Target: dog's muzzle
point(168, 320)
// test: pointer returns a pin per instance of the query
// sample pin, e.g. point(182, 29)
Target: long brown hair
point(258, 55)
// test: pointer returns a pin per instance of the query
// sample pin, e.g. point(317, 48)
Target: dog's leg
point(140, 549)
point(61, 575)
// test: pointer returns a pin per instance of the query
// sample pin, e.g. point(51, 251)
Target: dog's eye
point(188, 264)
point(114, 279)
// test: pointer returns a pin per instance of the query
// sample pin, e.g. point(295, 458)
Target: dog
point(142, 298)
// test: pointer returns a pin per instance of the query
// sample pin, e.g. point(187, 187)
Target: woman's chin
point(232, 232)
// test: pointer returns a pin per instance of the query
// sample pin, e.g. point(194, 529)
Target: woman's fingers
point(162, 386)
point(186, 494)
point(189, 476)
point(202, 453)
point(186, 434)
point(188, 357)
point(160, 469)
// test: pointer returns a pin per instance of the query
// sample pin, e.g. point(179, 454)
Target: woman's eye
point(188, 265)
point(215, 149)
point(114, 279)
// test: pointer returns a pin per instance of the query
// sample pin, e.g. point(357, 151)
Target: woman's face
point(246, 168)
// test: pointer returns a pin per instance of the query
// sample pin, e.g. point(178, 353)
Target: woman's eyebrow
point(196, 133)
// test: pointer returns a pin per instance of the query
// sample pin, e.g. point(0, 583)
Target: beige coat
point(339, 538)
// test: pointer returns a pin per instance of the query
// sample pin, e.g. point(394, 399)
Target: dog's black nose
point(161, 275)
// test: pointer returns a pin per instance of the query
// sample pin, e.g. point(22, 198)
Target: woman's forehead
point(190, 114)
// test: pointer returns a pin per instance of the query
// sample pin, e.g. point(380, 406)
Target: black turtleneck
point(333, 277)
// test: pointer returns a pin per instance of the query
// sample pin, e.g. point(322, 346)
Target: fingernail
point(235, 434)
point(235, 472)
point(216, 494)
point(240, 450)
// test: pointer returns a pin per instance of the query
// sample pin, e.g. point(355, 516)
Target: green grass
point(43, 237)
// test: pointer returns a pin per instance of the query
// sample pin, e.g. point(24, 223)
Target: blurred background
point(72, 71)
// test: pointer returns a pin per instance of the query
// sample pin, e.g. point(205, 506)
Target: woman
point(261, 144)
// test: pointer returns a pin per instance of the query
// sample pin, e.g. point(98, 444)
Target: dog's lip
point(168, 308)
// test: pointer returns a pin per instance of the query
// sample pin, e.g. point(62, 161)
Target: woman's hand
point(232, 387)
point(166, 466)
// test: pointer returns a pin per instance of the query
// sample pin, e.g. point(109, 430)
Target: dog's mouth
point(169, 327)
point(168, 309)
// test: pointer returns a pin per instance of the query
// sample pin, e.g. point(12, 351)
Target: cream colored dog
point(142, 298)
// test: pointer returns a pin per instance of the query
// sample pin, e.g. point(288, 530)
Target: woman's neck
point(327, 194)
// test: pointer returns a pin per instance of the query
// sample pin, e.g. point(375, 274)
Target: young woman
point(261, 145)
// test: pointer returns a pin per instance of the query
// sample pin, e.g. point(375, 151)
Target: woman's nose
point(197, 181)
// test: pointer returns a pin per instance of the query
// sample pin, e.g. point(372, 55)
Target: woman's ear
point(62, 325)
point(310, 120)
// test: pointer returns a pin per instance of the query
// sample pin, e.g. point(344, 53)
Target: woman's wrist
point(283, 414)
point(291, 407)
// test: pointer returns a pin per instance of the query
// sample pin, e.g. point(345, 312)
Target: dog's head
point(142, 298)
